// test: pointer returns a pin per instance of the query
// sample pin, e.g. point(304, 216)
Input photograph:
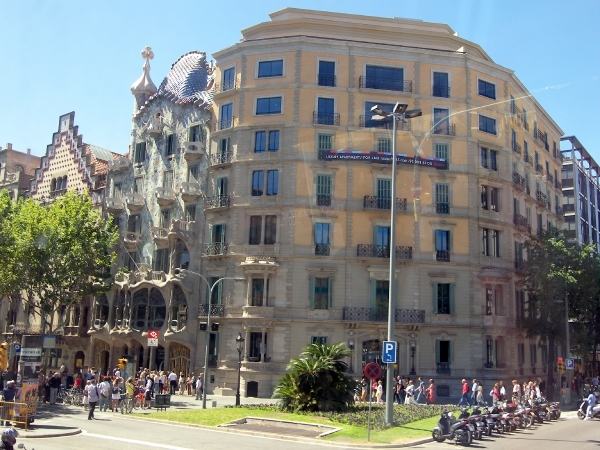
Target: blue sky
point(62, 56)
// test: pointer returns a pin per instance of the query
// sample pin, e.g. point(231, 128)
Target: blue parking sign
point(569, 363)
point(389, 352)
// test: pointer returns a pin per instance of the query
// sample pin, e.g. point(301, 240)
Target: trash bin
point(214, 403)
point(162, 401)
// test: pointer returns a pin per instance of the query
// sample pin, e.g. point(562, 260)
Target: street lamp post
point(239, 342)
point(567, 353)
point(413, 349)
point(211, 287)
point(398, 113)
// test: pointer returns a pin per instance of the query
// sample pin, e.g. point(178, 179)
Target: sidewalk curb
point(285, 437)
point(52, 435)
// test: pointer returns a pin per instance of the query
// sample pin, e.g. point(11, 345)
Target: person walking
point(474, 391)
point(93, 395)
point(495, 394)
point(431, 392)
point(172, 382)
point(516, 392)
point(480, 400)
point(365, 389)
point(421, 394)
point(115, 395)
point(8, 395)
point(104, 387)
point(54, 386)
point(410, 392)
point(465, 393)
point(199, 386)
point(502, 391)
point(379, 392)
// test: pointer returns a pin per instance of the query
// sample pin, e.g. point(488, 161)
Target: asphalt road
point(112, 431)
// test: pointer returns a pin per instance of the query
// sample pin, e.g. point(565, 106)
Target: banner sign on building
point(382, 158)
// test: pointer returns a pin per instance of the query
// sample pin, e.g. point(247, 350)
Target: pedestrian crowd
point(404, 389)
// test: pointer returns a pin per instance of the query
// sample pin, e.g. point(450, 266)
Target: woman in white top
point(182, 385)
point(410, 390)
point(115, 395)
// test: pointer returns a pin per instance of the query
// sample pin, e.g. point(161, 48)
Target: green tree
point(61, 253)
point(553, 269)
point(9, 279)
point(317, 380)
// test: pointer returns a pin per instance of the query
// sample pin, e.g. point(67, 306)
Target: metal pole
point(237, 395)
point(389, 395)
point(206, 378)
point(567, 354)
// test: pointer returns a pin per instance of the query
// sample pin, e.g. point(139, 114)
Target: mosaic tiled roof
point(189, 81)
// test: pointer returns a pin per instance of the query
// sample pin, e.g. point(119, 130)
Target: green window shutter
point(434, 289)
point(329, 293)
point(223, 234)
point(375, 235)
point(373, 293)
point(211, 232)
point(311, 293)
point(219, 289)
point(437, 351)
point(452, 298)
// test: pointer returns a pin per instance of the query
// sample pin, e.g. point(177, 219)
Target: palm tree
point(317, 380)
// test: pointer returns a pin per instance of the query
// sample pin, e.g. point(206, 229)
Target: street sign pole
point(372, 371)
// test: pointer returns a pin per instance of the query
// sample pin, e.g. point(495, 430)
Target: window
point(326, 73)
point(322, 233)
point(270, 68)
point(487, 124)
point(484, 197)
point(170, 145)
point(442, 198)
point(489, 301)
point(533, 354)
point(490, 242)
point(440, 85)
point(521, 353)
point(132, 261)
point(255, 230)
point(270, 230)
point(382, 237)
point(223, 149)
point(261, 144)
point(168, 179)
point(443, 298)
point(520, 304)
point(513, 105)
point(190, 213)
point(489, 351)
point(226, 117)
point(134, 223)
point(321, 340)
point(443, 353)
point(221, 186)
point(441, 122)
point(320, 293)
point(218, 233)
point(326, 112)
point(272, 182)
point(217, 293)
point(324, 183)
point(193, 172)
point(117, 189)
point(228, 79)
point(140, 153)
point(369, 123)
point(161, 260)
point(325, 141)
point(544, 352)
point(165, 218)
point(138, 185)
point(494, 204)
point(55, 357)
point(384, 145)
point(380, 298)
point(194, 133)
point(259, 293)
point(489, 158)
point(258, 182)
point(486, 89)
point(268, 105)
point(389, 78)
point(441, 151)
point(499, 300)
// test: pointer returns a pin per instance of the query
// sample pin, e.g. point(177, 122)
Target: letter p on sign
point(389, 352)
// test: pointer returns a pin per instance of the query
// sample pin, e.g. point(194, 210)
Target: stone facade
point(17, 170)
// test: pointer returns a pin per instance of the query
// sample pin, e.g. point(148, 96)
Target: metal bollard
point(214, 403)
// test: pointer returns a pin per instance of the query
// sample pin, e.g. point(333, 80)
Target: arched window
point(179, 308)
point(182, 256)
point(157, 311)
point(19, 168)
point(140, 305)
point(100, 311)
point(53, 185)
point(118, 306)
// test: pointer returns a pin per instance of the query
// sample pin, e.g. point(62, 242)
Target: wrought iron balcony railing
point(539, 168)
point(372, 202)
point(443, 368)
point(442, 255)
point(218, 201)
point(225, 123)
point(221, 158)
point(559, 210)
point(327, 80)
point(440, 91)
point(518, 181)
point(443, 127)
point(382, 251)
point(541, 198)
point(557, 184)
point(214, 249)
point(226, 86)
point(550, 178)
point(516, 148)
point(385, 83)
point(322, 249)
point(521, 222)
point(323, 200)
point(381, 315)
point(326, 118)
point(442, 208)
point(527, 158)
point(367, 122)
point(215, 310)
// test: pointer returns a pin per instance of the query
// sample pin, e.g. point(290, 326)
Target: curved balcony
point(182, 229)
point(114, 205)
point(221, 158)
point(214, 249)
point(165, 196)
point(121, 164)
point(134, 202)
point(193, 151)
point(521, 222)
point(190, 191)
point(159, 234)
point(218, 201)
point(131, 240)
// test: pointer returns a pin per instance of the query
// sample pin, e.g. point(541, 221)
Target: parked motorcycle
point(450, 428)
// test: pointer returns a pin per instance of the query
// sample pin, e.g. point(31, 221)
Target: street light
point(413, 349)
point(185, 272)
point(239, 342)
point(567, 352)
point(399, 112)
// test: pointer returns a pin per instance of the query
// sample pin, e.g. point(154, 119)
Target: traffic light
point(4, 356)
point(561, 365)
point(122, 363)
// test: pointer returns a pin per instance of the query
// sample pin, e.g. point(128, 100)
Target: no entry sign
point(372, 371)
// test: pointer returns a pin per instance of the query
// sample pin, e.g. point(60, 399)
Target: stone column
point(152, 358)
point(246, 342)
point(264, 293)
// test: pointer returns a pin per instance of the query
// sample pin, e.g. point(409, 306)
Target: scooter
point(476, 431)
point(449, 428)
point(582, 411)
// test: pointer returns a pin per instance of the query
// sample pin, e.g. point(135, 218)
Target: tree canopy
point(55, 255)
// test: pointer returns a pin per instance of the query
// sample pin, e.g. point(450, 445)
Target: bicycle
point(126, 404)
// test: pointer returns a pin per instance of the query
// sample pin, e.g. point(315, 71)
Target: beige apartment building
point(298, 200)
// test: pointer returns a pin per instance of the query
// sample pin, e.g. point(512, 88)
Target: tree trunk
point(550, 370)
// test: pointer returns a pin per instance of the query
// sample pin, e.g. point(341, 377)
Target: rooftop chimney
point(28, 151)
point(9, 146)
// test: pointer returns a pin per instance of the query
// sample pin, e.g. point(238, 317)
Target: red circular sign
point(372, 371)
